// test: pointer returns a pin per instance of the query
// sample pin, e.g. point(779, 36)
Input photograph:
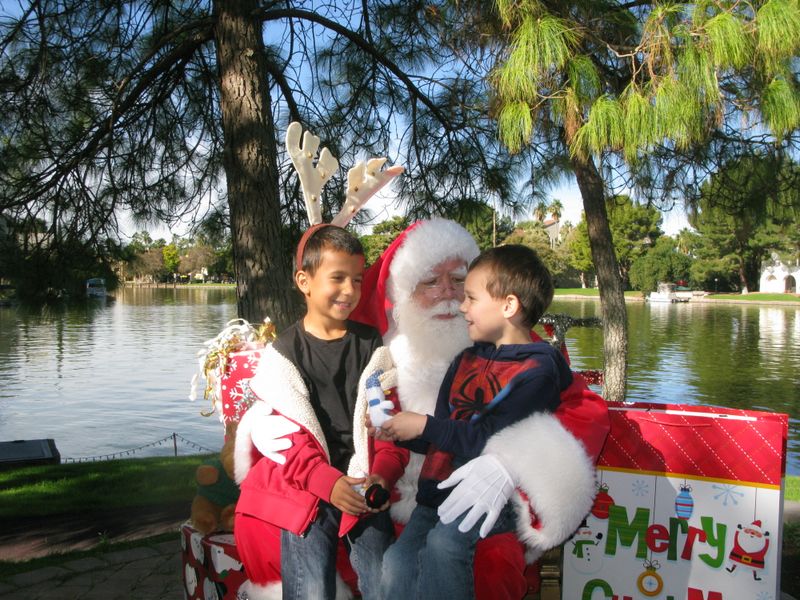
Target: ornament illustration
point(684, 503)
point(602, 502)
point(649, 582)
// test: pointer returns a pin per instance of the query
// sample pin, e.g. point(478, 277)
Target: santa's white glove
point(484, 487)
point(269, 435)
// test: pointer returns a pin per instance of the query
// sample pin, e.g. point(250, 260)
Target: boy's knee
point(391, 558)
point(442, 542)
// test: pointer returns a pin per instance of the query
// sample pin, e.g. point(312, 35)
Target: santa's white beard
point(427, 336)
point(422, 347)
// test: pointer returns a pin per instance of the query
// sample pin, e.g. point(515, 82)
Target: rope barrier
point(174, 437)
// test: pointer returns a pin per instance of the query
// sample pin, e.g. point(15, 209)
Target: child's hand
point(372, 479)
point(404, 426)
point(345, 498)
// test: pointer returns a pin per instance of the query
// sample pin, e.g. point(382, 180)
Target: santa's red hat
point(406, 262)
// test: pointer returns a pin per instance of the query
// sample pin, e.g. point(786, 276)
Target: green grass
point(792, 488)
point(756, 297)
point(77, 487)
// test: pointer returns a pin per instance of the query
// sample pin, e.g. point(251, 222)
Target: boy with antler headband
point(312, 376)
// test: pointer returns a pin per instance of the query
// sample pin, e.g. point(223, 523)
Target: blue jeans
point(431, 560)
point(308, 563)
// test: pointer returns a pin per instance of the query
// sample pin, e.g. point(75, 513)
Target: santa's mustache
point(448, 308)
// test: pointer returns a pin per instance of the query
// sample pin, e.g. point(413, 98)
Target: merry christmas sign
point(688, 507)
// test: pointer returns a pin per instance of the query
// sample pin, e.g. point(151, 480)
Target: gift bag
point(235, 395)
point(688, 507)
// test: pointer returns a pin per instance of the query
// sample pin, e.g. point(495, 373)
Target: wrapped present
point(211, 566)
point(689, 506)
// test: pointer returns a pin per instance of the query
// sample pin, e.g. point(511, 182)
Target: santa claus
point(543, 464)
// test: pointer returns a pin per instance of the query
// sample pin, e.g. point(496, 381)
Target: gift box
point(688, 506)
point(211, 566)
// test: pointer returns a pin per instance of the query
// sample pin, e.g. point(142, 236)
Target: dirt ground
point(27, 538)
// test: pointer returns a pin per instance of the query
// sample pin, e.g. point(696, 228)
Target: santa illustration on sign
point(750, 545)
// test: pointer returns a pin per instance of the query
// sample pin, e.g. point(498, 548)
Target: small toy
point(377, 404)
point(213, 506)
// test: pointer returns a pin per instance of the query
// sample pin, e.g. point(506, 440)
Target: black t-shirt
point(331, 370)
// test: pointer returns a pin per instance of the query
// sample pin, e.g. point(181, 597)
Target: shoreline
point(694, 300)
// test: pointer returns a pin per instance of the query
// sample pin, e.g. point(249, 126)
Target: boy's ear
point(511, 306)
point(301, 279)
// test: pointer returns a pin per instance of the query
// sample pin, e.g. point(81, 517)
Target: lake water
point(112, 378)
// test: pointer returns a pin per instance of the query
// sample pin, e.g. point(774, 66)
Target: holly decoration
point(602, 502)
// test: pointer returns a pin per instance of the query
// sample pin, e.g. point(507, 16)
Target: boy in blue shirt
point(500, 380)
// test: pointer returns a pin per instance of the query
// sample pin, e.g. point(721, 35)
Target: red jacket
point(287, 495)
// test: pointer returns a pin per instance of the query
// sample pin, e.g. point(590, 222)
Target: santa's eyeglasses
point(439, 286)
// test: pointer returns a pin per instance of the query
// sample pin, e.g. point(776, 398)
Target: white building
point(779, 278)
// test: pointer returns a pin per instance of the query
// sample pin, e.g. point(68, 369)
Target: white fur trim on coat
point(381, 360)
point(552, 468)
point(425, 246)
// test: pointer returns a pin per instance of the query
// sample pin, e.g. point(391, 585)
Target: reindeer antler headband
point(363, 181)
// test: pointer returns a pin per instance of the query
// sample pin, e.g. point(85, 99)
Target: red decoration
point(602, 502)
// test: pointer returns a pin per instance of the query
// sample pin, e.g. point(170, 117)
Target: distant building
point(551, 226)
point(779, 278)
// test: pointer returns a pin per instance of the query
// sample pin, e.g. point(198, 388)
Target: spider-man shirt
point(486, 389)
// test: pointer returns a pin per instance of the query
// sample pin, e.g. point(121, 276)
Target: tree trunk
point(612, 297)
point(261, 260)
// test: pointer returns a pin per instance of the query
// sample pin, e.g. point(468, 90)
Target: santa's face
point(429, 318)
point(442, 284)
point(751, 539)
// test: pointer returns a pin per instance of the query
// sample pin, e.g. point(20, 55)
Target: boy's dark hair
point(330, 238)
point(517, 270)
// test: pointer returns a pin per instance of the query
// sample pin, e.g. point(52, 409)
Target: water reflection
point(105, 377)
point(101, 378)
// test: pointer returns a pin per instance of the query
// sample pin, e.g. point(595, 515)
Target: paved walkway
point(150, 571)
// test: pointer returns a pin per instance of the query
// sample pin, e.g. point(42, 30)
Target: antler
point(311, 179)
point(363, 181)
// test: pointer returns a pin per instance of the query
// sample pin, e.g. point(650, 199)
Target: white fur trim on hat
point(552, 468)
point(425, 246)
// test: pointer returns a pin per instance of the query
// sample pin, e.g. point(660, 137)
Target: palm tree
point(540, 211)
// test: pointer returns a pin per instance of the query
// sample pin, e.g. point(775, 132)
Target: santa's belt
point(746, 559)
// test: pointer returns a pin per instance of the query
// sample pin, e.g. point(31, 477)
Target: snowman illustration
point(750, 545)
point(587, 555)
